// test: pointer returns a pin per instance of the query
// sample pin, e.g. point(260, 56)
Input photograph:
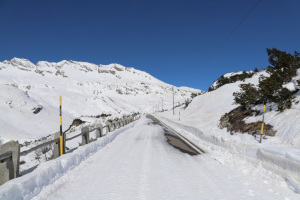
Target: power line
point(221, 44)
point(228, 36)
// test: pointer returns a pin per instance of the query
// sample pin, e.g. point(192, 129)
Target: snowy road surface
point(140, 164)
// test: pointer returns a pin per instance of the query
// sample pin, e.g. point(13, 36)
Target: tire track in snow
point(140, 164)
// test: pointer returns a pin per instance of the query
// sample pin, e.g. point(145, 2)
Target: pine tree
point(248, 95)
point(270, 89)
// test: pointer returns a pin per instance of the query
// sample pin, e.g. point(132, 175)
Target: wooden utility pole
point(173, 101)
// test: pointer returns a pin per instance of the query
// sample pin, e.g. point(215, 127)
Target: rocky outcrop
point(234, 122)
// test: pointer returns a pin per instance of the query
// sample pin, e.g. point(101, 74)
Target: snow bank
point(31, 184)
point(279, 154)
point(281, 161)
point(292, 86)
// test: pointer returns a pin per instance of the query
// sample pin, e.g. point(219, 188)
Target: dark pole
point(173, 101)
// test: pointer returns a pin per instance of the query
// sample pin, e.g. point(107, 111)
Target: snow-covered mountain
point(29, 98)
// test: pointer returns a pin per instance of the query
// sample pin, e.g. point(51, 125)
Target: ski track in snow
point(140, 164)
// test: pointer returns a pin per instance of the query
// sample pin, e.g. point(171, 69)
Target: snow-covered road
point(140, 164)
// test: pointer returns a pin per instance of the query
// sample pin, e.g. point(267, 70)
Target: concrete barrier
point(9, 163)
point(85, 136)
point(56, 149)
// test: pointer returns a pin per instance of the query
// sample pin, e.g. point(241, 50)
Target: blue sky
point(168, 39)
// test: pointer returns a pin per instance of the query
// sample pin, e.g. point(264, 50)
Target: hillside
point(30, 95)
point(213, 105)
point(277, 155)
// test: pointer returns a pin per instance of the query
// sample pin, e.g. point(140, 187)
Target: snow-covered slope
point(209, 107)
point(86, 89)
point(217, 83)
point(279, 154)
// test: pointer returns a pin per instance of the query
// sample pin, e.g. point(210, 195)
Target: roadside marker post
point(179, 115)
point(262, 125)
point(61, 134)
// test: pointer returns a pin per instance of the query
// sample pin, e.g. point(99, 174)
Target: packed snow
point(136, 162)
point(228, 75)
point(280, 154)
point(291, 86)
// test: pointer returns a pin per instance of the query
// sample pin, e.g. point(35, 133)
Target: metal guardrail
point(24, 153)
point(5, 156)
point(8, 155)
point(82, 133)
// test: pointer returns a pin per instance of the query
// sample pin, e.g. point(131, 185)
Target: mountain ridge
point(87, 90)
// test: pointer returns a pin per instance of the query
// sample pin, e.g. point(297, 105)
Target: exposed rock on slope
point(234, 122)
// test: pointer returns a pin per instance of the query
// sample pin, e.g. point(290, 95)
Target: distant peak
point(22, 62)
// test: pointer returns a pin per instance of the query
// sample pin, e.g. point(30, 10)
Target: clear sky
point(168, 39)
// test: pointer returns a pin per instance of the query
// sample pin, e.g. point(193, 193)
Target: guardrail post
point(122, 122)
point(99, 131)
point(9, 163)
point(108, 127)
point(56, 150)
point(85, 135)
point(115, 125)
